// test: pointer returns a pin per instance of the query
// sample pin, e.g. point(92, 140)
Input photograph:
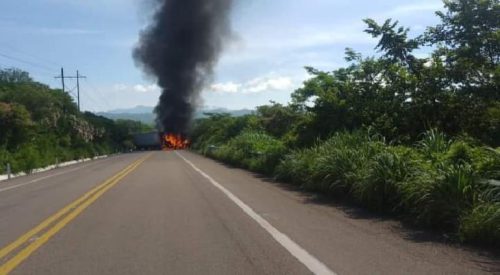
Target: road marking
point(313, 264)
point(46, 177)
point(9, 248)
point(72, 211)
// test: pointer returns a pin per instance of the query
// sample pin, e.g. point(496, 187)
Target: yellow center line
point(74, 209)
point(9, 248)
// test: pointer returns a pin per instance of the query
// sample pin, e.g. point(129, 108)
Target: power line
point(77, 77)
point(91, 98)
point(94, 101)
point(103, 99)
point(48, 69)
point(14, 49)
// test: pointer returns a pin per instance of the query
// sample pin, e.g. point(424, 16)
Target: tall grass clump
point(380, 186)
point(340, 165)
point(343, 162)
point(439, 183)
point(454, 188)
point(436, 196)
point(298, 166)
point(253, 150)
point(481, 224)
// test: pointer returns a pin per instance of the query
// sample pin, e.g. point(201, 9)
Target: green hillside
point(41, 126)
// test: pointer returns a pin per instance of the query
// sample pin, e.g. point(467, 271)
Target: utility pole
point(62, 78)
point(78, 87)
point(77, 77)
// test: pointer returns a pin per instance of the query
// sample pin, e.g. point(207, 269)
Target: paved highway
point(180, 213)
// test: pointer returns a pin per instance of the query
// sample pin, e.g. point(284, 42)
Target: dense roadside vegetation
point(40, 126)
point(397, 133)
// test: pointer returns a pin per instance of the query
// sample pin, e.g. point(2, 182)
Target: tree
point(15, 124)
point(14, 76)
point(468, 39)
point(393, 41)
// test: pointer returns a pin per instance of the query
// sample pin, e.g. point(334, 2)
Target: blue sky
point(273, 40)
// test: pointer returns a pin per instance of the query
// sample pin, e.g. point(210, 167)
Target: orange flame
point(174, 142)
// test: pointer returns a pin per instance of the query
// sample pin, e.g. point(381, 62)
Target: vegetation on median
point(396, 133)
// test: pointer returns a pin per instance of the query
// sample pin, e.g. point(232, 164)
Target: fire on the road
point(174, 142)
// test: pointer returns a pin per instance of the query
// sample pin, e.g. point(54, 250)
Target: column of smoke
point(179, 48)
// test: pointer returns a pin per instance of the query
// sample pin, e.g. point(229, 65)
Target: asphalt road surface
point(180, 213)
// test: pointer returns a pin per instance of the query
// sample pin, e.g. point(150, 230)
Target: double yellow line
point(56, 222)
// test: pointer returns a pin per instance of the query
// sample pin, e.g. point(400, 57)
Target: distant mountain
point(201, 113)
point(147, 118)
point(140, 109)
point(145, 114)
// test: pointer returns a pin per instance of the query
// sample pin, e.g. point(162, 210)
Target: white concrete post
point(8, 171)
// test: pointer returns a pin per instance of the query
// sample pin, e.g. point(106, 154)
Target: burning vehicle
point(160, 141)
point(174, 142)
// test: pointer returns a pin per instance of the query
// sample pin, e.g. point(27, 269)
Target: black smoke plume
point(180, 49)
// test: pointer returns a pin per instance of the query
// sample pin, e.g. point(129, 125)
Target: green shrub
point(459, 153)
point(379, 189)
point(26, 159)
point(332, 166)
point(486, 162)
point(297, 167)
point(481, 224)
point(434, 145)
point(4, 159)
point(437, 196)
point(340, 165)
point(439, 183)
point(253, 150)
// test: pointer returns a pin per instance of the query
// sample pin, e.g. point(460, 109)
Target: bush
point(26, 159)
point(439, 183)
point(482, 224)
point(379, 189)
point(298, 166)
point(486, 162)
point(342, 162)
point(253, 150)
point(437, 196)
point(4, 159)
point(434, 145)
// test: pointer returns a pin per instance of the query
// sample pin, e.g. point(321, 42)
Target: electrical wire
point(46, 68)
point(96, 92)
point(14, 49)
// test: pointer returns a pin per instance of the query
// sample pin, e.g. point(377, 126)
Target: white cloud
point(264, 84)
point(228, 87)
point(256, 85)
point(138, 88)
point(146, 88)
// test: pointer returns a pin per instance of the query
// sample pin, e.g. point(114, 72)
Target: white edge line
point(313, 264)
point(49, 176)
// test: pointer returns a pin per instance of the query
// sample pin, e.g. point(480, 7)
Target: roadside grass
point(256, 151)
point(439, 183)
